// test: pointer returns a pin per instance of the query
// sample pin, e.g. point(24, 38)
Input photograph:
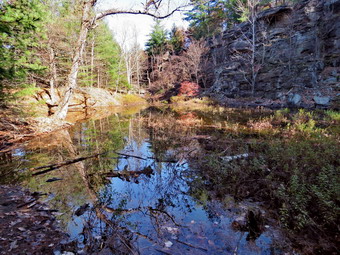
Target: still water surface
point(143, 194)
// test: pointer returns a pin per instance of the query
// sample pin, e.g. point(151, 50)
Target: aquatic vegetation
point(294, 169)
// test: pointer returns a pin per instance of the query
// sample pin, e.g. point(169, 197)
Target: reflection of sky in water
point(20, 152)
point(167, 191)
point(169, 206)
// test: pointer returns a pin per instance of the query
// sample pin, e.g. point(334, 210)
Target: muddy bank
point(27, 226)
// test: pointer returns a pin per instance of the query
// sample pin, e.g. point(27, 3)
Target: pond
point(138, 182)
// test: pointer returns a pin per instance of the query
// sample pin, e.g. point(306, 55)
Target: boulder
point(323, 101)
point(294, 100)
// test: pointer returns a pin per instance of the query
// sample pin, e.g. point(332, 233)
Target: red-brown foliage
point(188, 88)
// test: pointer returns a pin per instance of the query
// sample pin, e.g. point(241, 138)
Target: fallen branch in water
point(121, 211)
point(164, 252)
point(51, 167)
point(128, 155)
point(166, 213)
point(125, 174)
point(192, 246)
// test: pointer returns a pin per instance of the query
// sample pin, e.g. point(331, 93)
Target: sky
point(127, 28)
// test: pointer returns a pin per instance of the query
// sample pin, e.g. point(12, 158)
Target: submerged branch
point(192, 246)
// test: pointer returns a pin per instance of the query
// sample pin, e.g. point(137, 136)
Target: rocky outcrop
point(297, 56)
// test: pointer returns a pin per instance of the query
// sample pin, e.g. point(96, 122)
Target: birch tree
point(152, 8)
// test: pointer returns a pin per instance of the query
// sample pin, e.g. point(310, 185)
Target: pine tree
point(108, 57)
point(21, 29)
point(158, 42)
point(208, 17)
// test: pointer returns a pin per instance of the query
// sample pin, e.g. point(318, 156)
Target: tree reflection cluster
point(143, 194)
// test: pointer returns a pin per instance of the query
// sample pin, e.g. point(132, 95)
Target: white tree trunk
point(53, 75)
point(86, 23)
point(62, 109)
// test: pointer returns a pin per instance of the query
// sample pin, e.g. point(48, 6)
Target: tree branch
point(110, 12)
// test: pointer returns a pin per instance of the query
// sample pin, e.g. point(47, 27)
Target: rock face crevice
point(297, 56)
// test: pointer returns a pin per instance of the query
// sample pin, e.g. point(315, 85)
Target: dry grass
point(131, 99)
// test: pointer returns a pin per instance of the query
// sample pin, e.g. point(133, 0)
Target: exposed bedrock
point(297, 56)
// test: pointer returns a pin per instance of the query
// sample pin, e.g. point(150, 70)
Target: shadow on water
point(142, 193)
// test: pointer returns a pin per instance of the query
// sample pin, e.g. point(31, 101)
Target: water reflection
point(142, 196)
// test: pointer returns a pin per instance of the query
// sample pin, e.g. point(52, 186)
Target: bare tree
point(88, 21)
point(194, 55)
point(132, 55)
point(249, 12)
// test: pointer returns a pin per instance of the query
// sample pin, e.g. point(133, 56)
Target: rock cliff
point(296, 57)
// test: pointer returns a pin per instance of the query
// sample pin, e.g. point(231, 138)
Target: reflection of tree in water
point(122, 220)
point(155, 206)
point(138, 203)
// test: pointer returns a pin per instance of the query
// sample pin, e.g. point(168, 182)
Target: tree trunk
point(253, 49)
point(62, 109)
point(92, 60)
point(86, 23)
point(98, 77)
point(53, 75)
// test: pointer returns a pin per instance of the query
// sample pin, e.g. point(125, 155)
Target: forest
point(220, 136)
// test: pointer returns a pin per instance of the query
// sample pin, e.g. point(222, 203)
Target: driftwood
point(164, 252)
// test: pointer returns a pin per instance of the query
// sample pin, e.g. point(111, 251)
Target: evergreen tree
point(21, 29)
point(158, 42)
point(209, 17)
point(108, 56)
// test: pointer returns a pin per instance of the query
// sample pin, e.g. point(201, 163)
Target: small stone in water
point(168, 244)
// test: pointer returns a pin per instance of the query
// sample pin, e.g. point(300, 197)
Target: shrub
point(188, 88)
